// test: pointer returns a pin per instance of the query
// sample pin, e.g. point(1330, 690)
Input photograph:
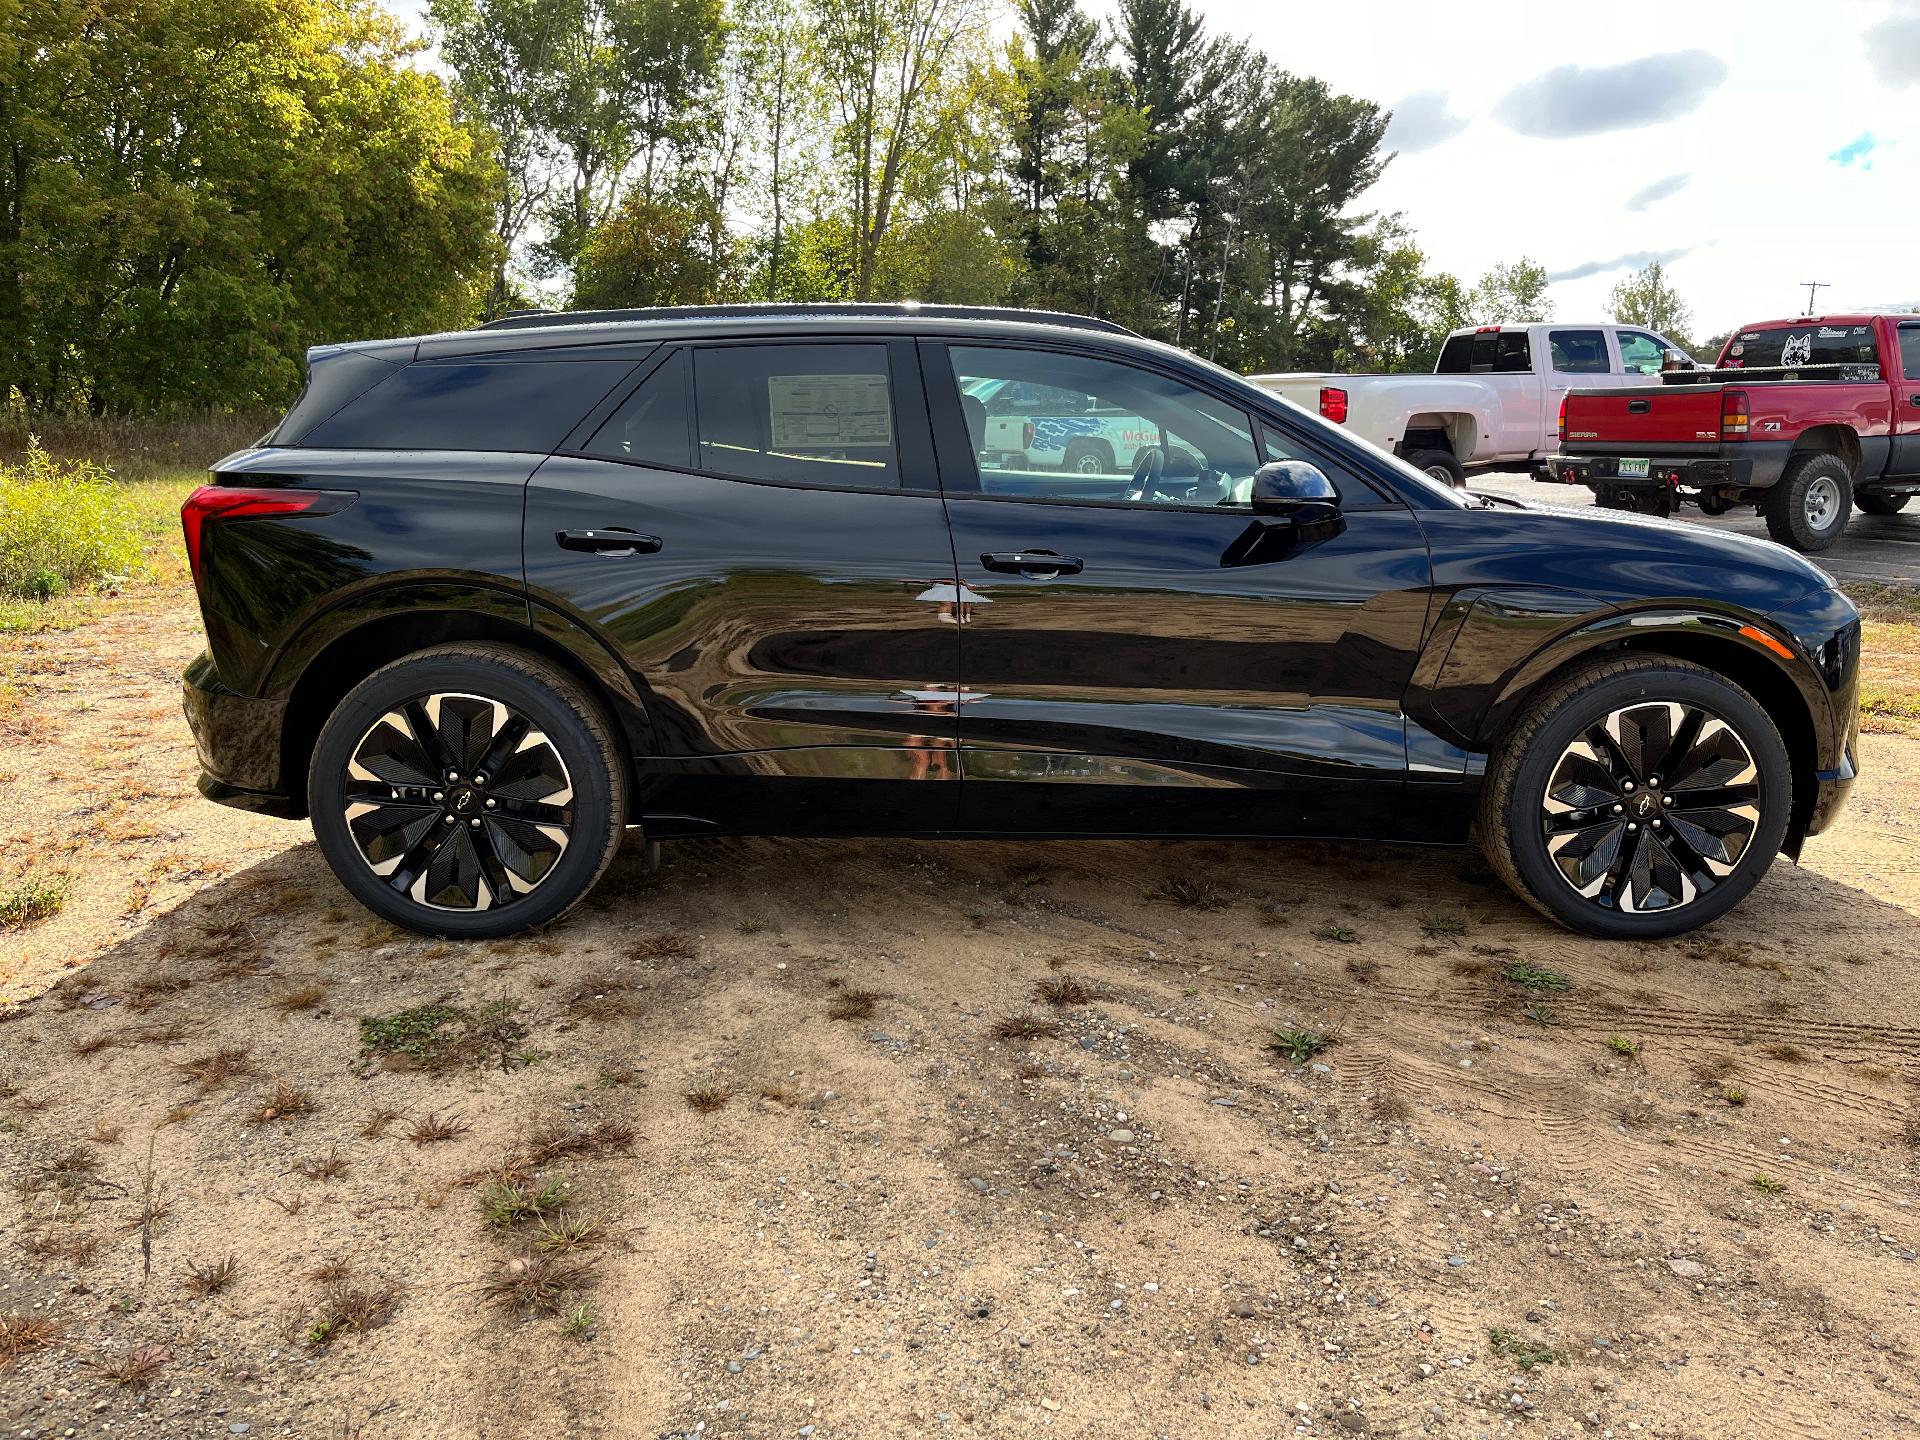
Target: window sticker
point(829, 412)
point(1798, 350)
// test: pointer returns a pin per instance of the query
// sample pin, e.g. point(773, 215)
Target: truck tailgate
point(1653, 415)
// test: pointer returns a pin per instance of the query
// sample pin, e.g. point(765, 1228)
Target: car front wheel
point(1637, 798)
point(469, 791)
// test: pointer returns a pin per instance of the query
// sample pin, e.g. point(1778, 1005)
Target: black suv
point(484, 600)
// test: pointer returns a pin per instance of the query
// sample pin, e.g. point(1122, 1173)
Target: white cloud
point(1648, 195)
point(1572, 100)
point(1421, 121)
point(1893, 48)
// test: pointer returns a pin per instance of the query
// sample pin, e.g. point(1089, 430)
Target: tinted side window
point(651, 426)
point(1513, 355)
point(1910, 351)
point(331, 382)
point(798, 414)
point(1113, 432)
point(1640, 354)
point(1579, 352)
point(1456, 356)
point(527, 405)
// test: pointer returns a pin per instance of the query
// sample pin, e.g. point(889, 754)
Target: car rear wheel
point(1806, 509)
point(1880, 504)
point(1637, 798)
point(469, 791)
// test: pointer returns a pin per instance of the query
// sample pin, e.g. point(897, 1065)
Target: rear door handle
point(614, 543)
point(1031, 562)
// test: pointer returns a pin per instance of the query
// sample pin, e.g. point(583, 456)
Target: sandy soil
point(1682, 1187)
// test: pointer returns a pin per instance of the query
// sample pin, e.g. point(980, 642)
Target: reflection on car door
point(787, 600)
point(1148, 666)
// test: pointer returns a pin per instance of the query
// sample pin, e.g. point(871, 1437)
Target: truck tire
point(1442, 465)
point(1806, 509)
point(1089, 457)
point(1880, 504)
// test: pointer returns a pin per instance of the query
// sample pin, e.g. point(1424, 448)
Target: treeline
point(193, 191)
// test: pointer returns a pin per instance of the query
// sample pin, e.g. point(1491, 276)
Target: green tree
point(1512, 294)
point(655, 250)
point(1645, 298)
point(886, 62)
point(199, 189)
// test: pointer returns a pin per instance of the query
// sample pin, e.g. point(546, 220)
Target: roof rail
point(532, 319)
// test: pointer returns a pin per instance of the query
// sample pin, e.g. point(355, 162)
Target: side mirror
point(1288, 487)
point(1676, 360)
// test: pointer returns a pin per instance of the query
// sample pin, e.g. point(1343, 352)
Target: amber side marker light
point(1755, 633)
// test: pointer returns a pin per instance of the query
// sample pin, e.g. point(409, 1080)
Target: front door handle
point(615, 543)
point(1031, 562)
point(1914, 399)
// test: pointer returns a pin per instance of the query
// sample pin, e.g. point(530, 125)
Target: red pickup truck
point(1801, 418)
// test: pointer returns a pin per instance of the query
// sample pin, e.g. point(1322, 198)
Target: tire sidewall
point(1529, 849)
point(595, 800)
point(1788, 512)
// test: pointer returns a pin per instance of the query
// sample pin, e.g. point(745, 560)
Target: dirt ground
point(808, 1178)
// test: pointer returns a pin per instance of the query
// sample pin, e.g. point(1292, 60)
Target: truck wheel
point(1090, 457)
point(1880, 504)
point(469, 791)
point(1806, 509)
point(1637, 797)
point(1440, 464)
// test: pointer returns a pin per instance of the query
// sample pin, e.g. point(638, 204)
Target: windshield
point(1791, 345)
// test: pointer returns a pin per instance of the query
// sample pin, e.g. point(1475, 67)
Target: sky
point(1750, 148)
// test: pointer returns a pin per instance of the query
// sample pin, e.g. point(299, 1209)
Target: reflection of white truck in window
point(1493, 400)
point(1042, 427)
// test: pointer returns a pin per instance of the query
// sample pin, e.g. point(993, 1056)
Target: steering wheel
point(1148, 468)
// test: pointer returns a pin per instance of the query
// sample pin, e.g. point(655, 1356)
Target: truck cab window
point(1514, 354)
point(1579, 352)
point(1641, 354)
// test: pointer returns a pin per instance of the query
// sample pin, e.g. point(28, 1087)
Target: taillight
point(1563, 419)
point(1733, 415)
point(1333, 404)
point(230, 502)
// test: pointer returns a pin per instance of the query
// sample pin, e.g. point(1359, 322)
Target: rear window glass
point(798, 414)
point(1910, 351)
point(1486, 352)
point(1579, 352)
point(1802, 345)
point(525, 405)
point(651, 425)
point(332, 381)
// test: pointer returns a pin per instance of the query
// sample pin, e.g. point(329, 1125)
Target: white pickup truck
point(1493, 400)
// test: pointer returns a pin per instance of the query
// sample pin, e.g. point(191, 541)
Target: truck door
point(1905, 460)
point(1574, 356)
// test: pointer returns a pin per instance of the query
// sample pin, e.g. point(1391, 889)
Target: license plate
point(1633, 469)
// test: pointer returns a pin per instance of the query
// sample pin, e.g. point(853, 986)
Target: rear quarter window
point(522, 405)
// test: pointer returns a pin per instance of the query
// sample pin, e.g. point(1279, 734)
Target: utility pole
point(1811, 286)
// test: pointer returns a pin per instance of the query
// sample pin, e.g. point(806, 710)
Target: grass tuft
point(136, 1369)
point(202, 1281)
point(435, 1127)
point(306, 997)
point(1338, 934)
point(22, 1335)
point(30, 900)
point(330, 1166)
point(1301, 1046)
point(1028, 1026)
point(210, 1072)
point(1063, 992)
point(1766, 1184)
point(1534, 977)
point(853, 1005)
point(543, 1283)
point(705, 1099)
point(1188, 894)
point(346, 1306)
point(1525, 1353)
point(284, 1101)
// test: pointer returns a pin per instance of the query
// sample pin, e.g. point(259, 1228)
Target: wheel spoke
point(458, 802)
point(1651, 806)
